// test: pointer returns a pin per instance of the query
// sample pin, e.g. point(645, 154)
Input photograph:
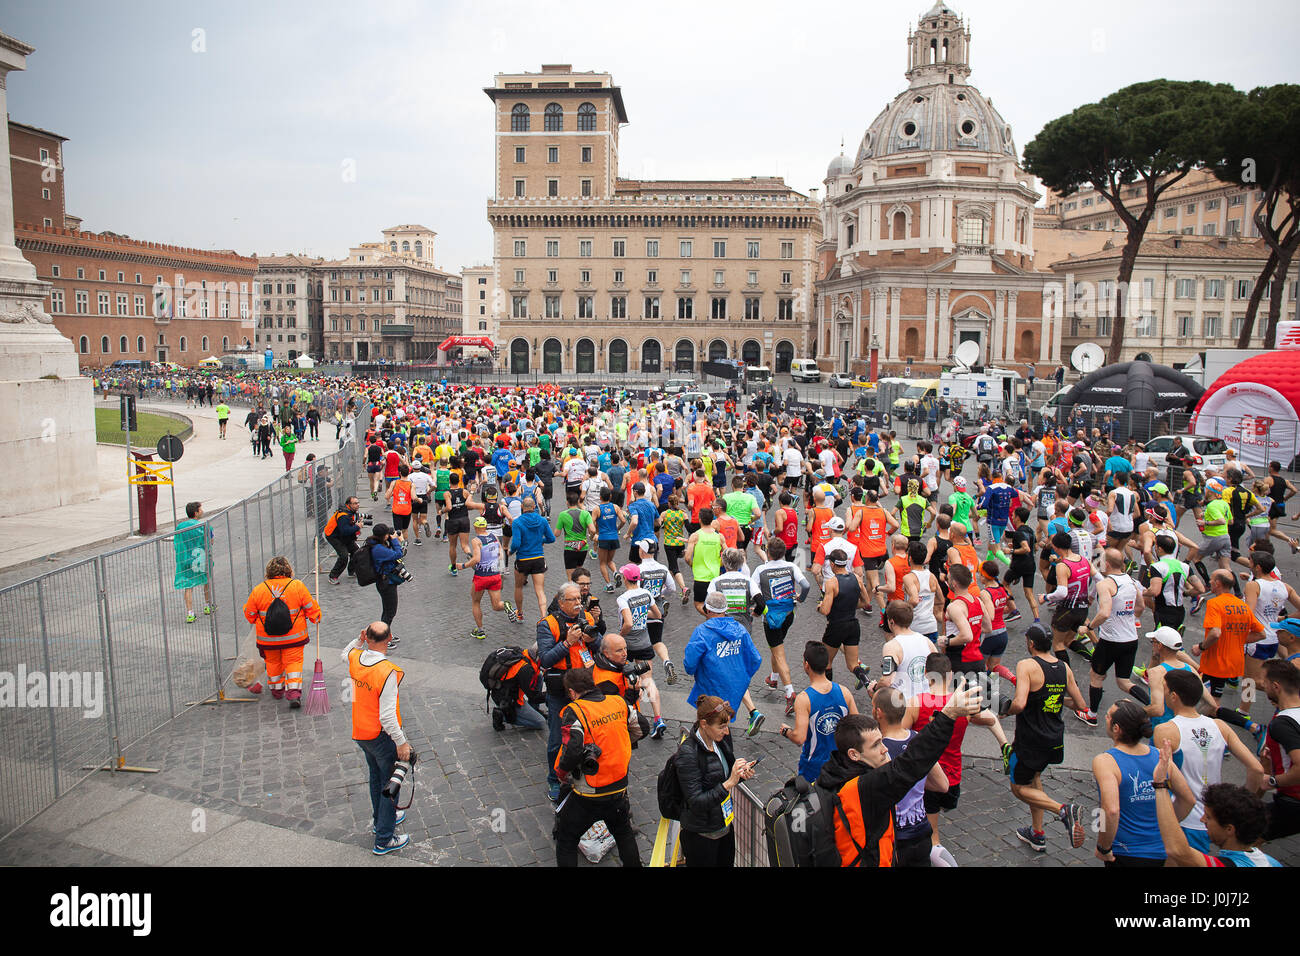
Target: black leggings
point(388, 595)
point(345, 550)
point(702, 852)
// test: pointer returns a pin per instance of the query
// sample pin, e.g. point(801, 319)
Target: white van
point(805, 370)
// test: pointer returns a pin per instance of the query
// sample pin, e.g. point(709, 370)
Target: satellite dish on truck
point(967, 354)
point(1087, 357)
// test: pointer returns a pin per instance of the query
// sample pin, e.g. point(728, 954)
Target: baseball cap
point(1168, 637)
point(835, 524)
point(480, 522)
point(1160, 488)
point(959, 482)
point(716, 602)
point(630, 572)
point(648, 545)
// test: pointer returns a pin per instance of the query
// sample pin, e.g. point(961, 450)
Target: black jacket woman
point(708, 773)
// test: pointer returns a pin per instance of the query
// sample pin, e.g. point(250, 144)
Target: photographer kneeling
point(597, 730)
point(377, 727)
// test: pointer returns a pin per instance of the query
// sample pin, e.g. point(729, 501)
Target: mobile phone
point(755, 762)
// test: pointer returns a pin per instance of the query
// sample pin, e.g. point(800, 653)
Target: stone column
point(1013, 332)
point(894, 296)
point(943, 347)
point(931, 296)
point(999, 326)
point(856, 338)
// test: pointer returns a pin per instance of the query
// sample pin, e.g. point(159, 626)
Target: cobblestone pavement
point(480, 795)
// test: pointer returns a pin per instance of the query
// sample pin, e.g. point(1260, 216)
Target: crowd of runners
point(717, 512)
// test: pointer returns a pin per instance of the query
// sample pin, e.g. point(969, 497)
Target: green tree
point(1264, 153)
point(1154, 132)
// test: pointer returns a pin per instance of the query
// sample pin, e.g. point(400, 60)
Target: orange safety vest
point(578, 656)
point(901, 567)
point(401, 497)
point(368, 682)
point(301, 605)
point(874, 523)
point(851, 831)
point(332, 525)
point(604, 723)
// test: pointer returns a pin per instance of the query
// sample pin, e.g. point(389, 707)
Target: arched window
point(406, 245)
point(651, 355)
point(419, 249)
point(205, 343)
point(553, 120)
point(973, 231)
point(121, 345)
point(519, 357)
point(182, 343)
point(900, 225)
point(84, 345)
point(519, 119)
point(586, 351)
point(685, 356)
point(784, 356)
point(717, 350)
point(225, 343)
point(751, 353)
point(586, 118)
point(551, 357)
point(392, 246)
point(103, 344)
point(618, 357)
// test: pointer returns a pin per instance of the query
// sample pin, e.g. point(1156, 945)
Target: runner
point(774, 588)
point(577, 527)
point(485, 556)
point(1114, 628)
point(841, 597)
point(637, 609)
point(817, 712)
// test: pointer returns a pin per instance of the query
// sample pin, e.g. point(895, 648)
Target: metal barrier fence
point(751, 842)
point(98, 655)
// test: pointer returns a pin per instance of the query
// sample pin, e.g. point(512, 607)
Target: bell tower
point(938, 50)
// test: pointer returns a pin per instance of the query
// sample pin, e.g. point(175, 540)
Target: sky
point(307, 127)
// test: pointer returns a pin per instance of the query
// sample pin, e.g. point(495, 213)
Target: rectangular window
point(1241, 289)
point(785, 278)
point(552, 306)
point(584, 277)
point(45, 155)
point(122, 308)
point(751, 277)
point(584, 248)
point(552, 154)
point(81, 274)
point(519, 189)
point(1213, 325)
point(1188, 230)
point(718, 307)
point(519, 154)
point(719, 277)
point(652, 276)
point(686, 277)
point(787, 250)
point(102, 299)
point(1214, 288)
point(521, 248)
point(54, 271)
point(1103, 325)
point(1234, 200)
point(1238, 323)
point(552, 248)
point(102, 275)
point(586, 187)
point(1149, 289)
point(45, 194)
point(1191, 207)
point(121, 277)
point(519, 277)
point(1209, 229)
point(1145, 325)
point(362, 324)
point(519, 306)
point(620, 248)
point(652, 248)
point(334, 295)
point(719, 249)
point(1211, 204)
point(139, 306)
point(1184, 326)
point(56, 301)
point(586, 307)
point(1233, 228)
point(586, 154)
point(1185, 289)
point(751, 249)
point(552, 187)
point(752, 307)
point(685, 307)
point(652, 307)
point(552, 275)
point(618, 307)
point(684, 248)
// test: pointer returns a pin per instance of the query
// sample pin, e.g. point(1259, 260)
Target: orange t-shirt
point(700, 496)
point(872, 532)
point(401, 497)
point(854, 535)
point(901, 567)
point(729, 528)
point(1226, 657)
point(817, 534)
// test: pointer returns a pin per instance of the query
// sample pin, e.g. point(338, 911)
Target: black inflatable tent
point(1141, 395)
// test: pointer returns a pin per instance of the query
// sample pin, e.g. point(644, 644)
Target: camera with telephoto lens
point(393, 788)
point(367, 519)
point(400, 571)
point(590, 764)
point(634, 669)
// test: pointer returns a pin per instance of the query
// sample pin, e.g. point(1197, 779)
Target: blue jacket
point(722, 658)
point(529, 532)
point(385, 559)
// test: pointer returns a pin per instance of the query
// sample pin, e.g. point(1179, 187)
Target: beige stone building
point(1188, 294)
point(1198, 205)
point(595, 273)
point(479, 315)
point(929, 228)
point(387, 301)
point(287, 295)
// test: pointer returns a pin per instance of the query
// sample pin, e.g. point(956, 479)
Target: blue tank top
point(1139, 831)
point(607, 523)
point(909, 813)
point(824, 716)
point(490, 557)
point(1255, 857)
point(1168, 715)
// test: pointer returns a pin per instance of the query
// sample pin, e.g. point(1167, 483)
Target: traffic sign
point(128, 413)
point(170, 448)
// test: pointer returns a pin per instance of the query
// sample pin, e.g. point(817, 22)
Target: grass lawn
point(151, 427)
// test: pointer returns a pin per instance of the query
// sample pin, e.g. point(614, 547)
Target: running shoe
point(1002, 556)
point(658, 732)
point(1006, 759)
point(1234, 681)
point(190, 618)
point(861, 672)
point(394, 641)
point(334, 580)
point(609, 588)
point(451, 569)
point(670, 672)
point(478, 633)
point(418, 542)
point(1087, 716)
point(1140, 673)
point(1259, 732)
point(789, 705)
point(755, 722)
point(553, 792)
point(592, 554)
point(771, 682)
point(396, 843)
point(686, 598)
point(1082, 646)
point(374, 496)
point(208, 608)
point(1037, 841)
point(511, 614)
point(1072, 817)
point(1011, 616)
point(1197, 602)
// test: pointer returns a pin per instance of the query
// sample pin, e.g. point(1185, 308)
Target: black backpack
point(798, 825)
point(363, 565)
point(668, 788)
point(491, 675)
point(278, 620)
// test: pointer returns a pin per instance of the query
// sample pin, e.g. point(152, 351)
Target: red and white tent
point(1255, 408)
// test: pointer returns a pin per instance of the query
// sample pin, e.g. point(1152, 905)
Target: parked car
point(675, 386)
point(1206, 452)
point(689, 398)
point(839, 380)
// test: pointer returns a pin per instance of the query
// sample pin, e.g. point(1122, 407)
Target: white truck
point(998, 388)
point(1210, 364)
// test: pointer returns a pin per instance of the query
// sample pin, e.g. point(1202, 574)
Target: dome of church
point(841, 165)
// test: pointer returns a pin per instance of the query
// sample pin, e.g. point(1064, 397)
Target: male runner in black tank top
point(841, 598)
point(1043, 684)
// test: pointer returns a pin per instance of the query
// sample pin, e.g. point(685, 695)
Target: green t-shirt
point(534, 456)
point(544, 441)
point(740, 505)
point(223, 412)
point(912, 512)
point(895, 452)
point(1217, 516)
point(574, 529)
point(962, 504)
point(289, 442)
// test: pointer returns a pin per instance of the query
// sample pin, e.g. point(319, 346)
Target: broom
point(318, 698)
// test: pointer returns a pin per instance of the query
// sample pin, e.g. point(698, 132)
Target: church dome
point(841, 165)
